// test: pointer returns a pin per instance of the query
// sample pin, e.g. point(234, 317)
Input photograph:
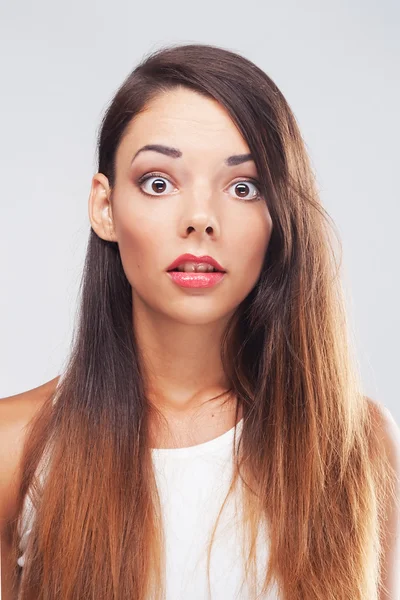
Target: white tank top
point(192, 484)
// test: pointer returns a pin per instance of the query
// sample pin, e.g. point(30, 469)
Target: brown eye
point(158, 185)
point(155, 187)
point(243, 188)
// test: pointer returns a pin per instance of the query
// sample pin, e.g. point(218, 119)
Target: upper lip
point(195, 259)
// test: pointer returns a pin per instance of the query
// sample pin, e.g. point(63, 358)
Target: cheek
point(140, 251)
point(250, 244)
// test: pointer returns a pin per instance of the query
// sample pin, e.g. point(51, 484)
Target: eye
point(243, 188)
point(156, 187)
point(160, 185)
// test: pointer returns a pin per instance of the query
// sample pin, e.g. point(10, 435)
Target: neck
point(181, 362)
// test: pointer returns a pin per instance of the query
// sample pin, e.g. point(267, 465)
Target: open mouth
point(195, 272)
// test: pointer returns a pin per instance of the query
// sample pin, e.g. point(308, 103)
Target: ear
point(100, 209)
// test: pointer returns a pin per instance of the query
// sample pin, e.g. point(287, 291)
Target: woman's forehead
point(187, 121)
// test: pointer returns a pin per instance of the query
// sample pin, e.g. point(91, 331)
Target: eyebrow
point(231, 161)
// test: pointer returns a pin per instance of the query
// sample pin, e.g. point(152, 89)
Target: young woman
point(209, 437)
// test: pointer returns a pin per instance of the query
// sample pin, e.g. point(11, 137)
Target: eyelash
point(144, 178)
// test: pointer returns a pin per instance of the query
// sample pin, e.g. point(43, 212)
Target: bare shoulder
point(389, 431)
point(15, 414)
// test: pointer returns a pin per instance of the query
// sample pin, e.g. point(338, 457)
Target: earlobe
point(100, 209)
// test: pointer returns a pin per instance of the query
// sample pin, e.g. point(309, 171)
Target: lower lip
point(196, 280)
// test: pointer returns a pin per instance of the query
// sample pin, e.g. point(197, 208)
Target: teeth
point(190, 267)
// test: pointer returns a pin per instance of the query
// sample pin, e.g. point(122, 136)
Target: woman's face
point(191, 202)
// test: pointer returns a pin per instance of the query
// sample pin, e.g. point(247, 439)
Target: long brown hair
point(311, 468)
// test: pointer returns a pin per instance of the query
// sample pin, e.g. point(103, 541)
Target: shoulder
point(389, 432)
point(15, 414)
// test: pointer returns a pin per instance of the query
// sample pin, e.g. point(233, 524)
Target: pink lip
point(196, 259)
point(195, 280)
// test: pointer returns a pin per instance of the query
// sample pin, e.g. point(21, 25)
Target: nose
point(200, 226)
point(199, 214)
point(209, 229)
point(201, 221)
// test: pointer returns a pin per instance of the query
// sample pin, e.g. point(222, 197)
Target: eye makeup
point(145, 177)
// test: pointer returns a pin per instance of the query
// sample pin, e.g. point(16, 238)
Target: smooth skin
point(197, 207)
point(193, 204)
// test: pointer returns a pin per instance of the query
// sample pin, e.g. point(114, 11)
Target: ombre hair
point(312, 470)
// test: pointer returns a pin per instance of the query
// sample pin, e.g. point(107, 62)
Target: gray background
point(338, 66)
